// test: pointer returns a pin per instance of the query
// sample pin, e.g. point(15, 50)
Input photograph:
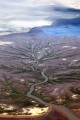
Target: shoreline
point(35, 116)
point(26, 116)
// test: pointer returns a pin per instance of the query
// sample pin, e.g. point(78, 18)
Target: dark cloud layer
point(70, 16)
point(65, 9)
point(73, 21)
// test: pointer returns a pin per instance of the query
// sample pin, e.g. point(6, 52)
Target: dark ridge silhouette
point(65, 9)
point(74, 22)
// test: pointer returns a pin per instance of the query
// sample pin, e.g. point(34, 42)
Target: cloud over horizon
point(20, 16)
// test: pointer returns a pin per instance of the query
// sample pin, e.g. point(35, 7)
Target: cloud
point(73, 21)
point(68, 3)
point(22, 15)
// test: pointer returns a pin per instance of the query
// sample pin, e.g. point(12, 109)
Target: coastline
point(26, 116)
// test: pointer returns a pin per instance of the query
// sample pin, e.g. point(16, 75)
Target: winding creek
point(63, 109)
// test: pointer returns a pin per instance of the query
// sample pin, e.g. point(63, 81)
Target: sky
point(22, 15)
